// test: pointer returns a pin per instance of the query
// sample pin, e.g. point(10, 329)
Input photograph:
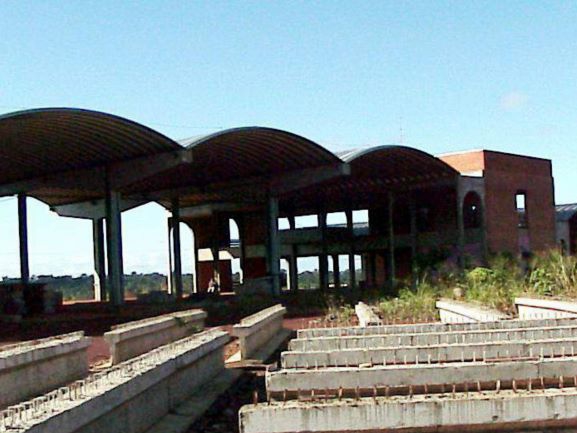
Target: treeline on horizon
point(82, 287)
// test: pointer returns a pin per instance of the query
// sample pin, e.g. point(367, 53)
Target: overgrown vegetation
point(549, 274)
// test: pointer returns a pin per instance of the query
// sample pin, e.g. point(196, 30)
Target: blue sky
point(455, 75)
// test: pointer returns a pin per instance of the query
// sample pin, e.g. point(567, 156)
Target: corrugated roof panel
point(39, 142)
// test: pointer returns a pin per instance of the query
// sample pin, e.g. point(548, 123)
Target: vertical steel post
point(391, 232)
point(350, 229)
point(273, 245)
point(23, 238)
point(177, 278)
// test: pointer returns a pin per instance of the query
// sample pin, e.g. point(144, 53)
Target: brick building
point(518, 196)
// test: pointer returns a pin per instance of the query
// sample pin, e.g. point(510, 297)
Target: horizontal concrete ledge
point(429, 354)
point(431, 327)
point(542, 308)
point(424, 339)
point(430, 375)
point(452, 311)
point(254, 322)
point(366, 315)
point(135, 338)
point(125, 398)
point(459, 412)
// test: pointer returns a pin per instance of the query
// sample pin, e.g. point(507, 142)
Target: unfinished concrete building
point(93, 165)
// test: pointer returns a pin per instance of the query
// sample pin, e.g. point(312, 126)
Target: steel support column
point(352, 271)
point(176, 251)
point(98, 252)
point(391, 235)
point(323, 257)
point(414, 239)
point(273, 245)
point(114, 247)
point(23, 238)
point(336, 271)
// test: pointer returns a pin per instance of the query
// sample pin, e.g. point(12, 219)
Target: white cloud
point(513, 101)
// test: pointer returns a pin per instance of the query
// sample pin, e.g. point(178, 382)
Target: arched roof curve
point(255, 151)
point(396, 164)
point(44, 141)
point(241, 155)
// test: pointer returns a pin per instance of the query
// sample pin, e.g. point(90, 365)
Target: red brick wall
point(465, 162)
point(505, 175)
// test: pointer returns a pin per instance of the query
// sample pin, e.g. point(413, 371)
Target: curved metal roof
point(239, 154)
point(394, 163)
point(39, 142)
point(374, 171)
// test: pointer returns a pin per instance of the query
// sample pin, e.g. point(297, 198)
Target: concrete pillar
point(176, 251)
point(352, 271)
point(273, 245)
point(169, 274)
point(460, 223)
point(336, 271)
point(391, 271)
point(293, 270)
point(414, 239)
point(114, 247)
point(323, 257)
point(99, 259)
point(197, 288)
point(23, 238)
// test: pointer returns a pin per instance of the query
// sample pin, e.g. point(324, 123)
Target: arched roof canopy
point(59, 155)
point(376, 171)
point(50, 140)
point(240, 163)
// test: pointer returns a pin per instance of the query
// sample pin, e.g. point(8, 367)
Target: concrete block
point(256, 330)
point(426, 354)
point(431, 327)
point(424, 339)
point(34, 367)
point(529, 308)
point(366, 315)
point(451, 311)
point(135, 338)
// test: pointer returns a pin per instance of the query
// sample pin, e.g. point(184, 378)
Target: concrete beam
point(424, 339)
point(429, 354)
point(93, 209)
point(433, 327)
point(545, 308)
point(451, 311)
point(480, 412)
point(121, 174)
point(431, 375)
